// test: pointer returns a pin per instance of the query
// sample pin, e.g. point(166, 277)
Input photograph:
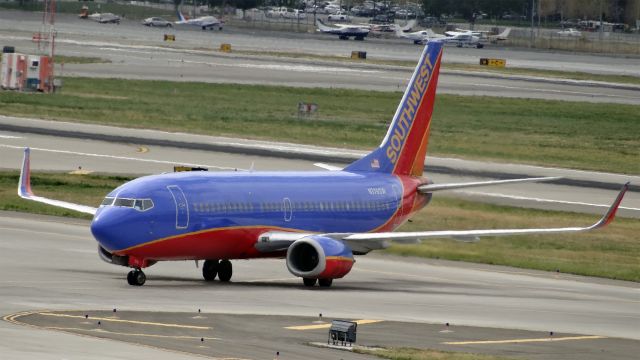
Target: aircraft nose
point(109, 230)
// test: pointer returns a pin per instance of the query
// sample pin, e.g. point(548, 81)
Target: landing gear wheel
point(136, 277)
point(309, 282)
point(225, 270)
point(325, 282)
point(210, 269)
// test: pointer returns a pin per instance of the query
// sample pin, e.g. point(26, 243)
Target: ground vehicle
point(431, 21)
point(294, 14)
point(382, 19)
point(156, 21)
point(570, 32)
point(276, 12)
point(105, 18)
point(339, 17)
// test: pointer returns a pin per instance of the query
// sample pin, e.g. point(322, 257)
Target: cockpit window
point(124, 202)
point(138, 204)
point(147, 204)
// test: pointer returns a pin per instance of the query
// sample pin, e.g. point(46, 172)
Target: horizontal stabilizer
point(429, 188)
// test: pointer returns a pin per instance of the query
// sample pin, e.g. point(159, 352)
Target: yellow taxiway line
point(518, 341)
point(128, 321)
point(328, 325)
point(101, 331)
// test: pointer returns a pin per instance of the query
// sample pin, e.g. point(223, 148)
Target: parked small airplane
point(204, 22)
point(482, 35)
point(344, 31)
point(316, 220)
point(504, 35)
point(456, 32)
point(421, 37)
point(418, 37)
point(459, 38)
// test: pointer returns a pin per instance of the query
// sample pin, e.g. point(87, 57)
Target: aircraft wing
point(328, 167)
point(429, 188)
point(24, 190)
point(363, 243)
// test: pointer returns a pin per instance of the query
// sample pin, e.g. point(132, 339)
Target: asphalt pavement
point(51, 265)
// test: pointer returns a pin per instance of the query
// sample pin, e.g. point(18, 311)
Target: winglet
point(611, 213)
point(24, 186)
point(24, 190)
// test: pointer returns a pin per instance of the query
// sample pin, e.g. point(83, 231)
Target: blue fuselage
point(234, 207)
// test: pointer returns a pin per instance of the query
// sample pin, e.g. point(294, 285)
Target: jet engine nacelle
point(319, 257)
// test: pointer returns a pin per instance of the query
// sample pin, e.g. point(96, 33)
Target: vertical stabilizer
point(404, 147)
point(181, 17)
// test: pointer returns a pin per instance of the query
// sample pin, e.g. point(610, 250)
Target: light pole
point(533, 7)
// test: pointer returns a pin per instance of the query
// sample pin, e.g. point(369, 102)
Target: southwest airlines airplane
point(316, 220)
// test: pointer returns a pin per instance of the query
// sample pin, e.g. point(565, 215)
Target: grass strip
point(62, 59)
point(579, 135)
point(612, 252)
point(403, 353)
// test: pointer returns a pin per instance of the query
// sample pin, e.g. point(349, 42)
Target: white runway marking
point(123, 158)
point(10, 137)
point(515, 197)
point(298, 68)
point(579, 93)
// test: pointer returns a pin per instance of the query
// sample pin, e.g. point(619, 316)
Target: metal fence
point(595, 42)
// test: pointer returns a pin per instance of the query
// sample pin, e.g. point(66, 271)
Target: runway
point(51, 264)
point(137, 52)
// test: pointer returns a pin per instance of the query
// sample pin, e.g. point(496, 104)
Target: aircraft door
point(288, 211)
point(182, 208)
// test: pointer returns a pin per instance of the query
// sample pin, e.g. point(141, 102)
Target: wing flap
point(24, 190)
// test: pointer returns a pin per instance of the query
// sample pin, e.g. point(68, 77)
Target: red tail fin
point(404, 147)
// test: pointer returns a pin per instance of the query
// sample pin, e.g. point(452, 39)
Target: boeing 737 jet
point(316, 220)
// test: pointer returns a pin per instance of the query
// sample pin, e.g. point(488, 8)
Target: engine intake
point(319, 257)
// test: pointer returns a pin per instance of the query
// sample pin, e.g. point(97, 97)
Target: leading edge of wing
point(24, 190)
point(414, 237)
point(429, 188)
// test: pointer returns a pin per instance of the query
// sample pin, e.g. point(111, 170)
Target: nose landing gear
point(136, 277)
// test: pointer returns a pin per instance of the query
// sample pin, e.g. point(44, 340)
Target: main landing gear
point(136, 277)
point(308, 282)
point(212, 268)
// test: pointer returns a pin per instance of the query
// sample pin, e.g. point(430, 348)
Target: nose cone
point(114, 228)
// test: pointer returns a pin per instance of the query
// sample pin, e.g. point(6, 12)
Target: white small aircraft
point(482, 35)
point(204, 22)
point(465, 39)
point(344, 31)
point(500, 37)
